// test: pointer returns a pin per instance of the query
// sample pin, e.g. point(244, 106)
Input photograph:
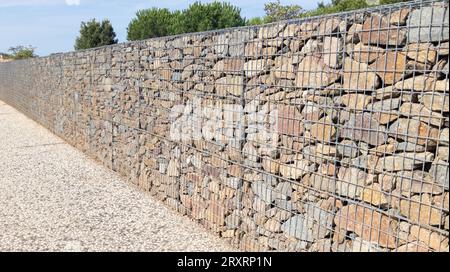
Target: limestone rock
point(323, 183)
point(390, 67)
point(440, 172)
point(353, 33)
point(229, 84)
point(399, 17)
point(348, 148)
point(331, 48)
point(235, 170)
point(270, 165)
point(432, 239)
point(420, 210)
point(404, 161)
point(290, 31)
point(295, 170)
point(364, 53)
point(263, 190)
point(362, 127)
point(173, 169)
point(444, 137)
point(375, 196)
point(414, 131)
point(422, 83)
point(312, 112)
point(435, 101)
point(256, 67)
point(296, 227)
point(285, 70)
point(422, 113)
point(386, 92)
point(328, 26)
point(314, 73)
point(289, 120)
point(358, 77)
point(381, 230)
point(354, 101)
point(268, 32)
point(417, 182)
point(375, 31)
point(272, 225)
point(421, 52)
point(350, 182)
point(324, 130)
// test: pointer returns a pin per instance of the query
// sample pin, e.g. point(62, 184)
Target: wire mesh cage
point(320, 134)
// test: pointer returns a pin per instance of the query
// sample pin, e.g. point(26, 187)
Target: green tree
point(149, 23)
point(385, 2)
point(22, 52)
point(176, 23)
point(95, 34)
point(255, 21)
point(156, 22)
point(275, 11)
point(345, 5)
point(337, 6)
point(208, 16)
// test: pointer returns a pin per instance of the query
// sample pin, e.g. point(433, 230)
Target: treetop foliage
point(95, 34)
point(149, 23)
point(275, 11)
point(210, 16)
point(157, 22)
point(21, 52)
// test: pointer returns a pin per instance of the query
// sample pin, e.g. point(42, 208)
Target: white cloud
point(73, 2)
point(9, 3)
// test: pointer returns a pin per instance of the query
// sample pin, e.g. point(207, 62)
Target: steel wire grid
point(321, 134)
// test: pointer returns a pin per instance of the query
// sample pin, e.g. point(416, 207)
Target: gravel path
point(54, 198)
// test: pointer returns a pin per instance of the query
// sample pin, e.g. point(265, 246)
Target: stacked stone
point(325, 134)
point(342, 144)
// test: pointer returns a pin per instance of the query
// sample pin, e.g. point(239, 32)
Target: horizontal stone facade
point(323, 134)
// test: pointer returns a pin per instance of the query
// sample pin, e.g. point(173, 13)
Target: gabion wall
point(323, 134)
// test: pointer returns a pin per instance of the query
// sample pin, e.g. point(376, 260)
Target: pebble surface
point(54, 198)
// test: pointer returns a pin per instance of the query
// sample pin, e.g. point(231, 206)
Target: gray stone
point(319, 215)
point(323, 183)
point(444, 136)
point(271, 31)
point(409, 147)
point(237, 41)
point(414, 131)
point(440, 172)
point(363, 127)
point(404, 161)
point(297, 227)
point(427, 24)
point(285, 205)
point(260, 205)
point(263, 190)
point(283, 190)
point(384, 105)
point(232, 221)
point(351, 181)
point(233, 182)
point(348, 148)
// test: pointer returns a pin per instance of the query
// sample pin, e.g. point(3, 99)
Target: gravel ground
point(54, 198)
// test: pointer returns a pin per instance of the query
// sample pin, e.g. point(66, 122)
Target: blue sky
point(52, 25)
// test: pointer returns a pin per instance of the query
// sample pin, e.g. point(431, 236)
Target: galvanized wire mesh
point(321, 134)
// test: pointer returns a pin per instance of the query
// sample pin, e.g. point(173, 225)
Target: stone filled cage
point(328, 133)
